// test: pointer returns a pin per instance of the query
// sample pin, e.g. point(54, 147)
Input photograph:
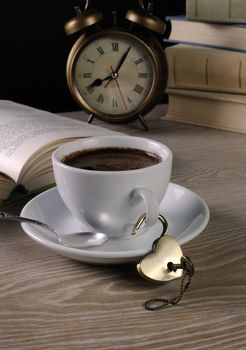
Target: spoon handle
point(7, 216)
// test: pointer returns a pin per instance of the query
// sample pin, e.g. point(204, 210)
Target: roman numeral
point(115, 103)
point(100, 99)
point(88, 60)
point(115, 46)
point(142, 75)
point(138, 89)
point(86, 75)
point(100, 50)
point(129, 100)
point(90, 89)
point(140, 60)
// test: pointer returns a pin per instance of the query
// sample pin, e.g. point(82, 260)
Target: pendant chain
point(160, 303)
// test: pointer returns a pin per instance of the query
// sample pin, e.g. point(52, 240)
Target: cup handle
point(151, 204)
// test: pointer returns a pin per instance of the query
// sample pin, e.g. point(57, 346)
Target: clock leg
point(90, 119)
point(143, 122)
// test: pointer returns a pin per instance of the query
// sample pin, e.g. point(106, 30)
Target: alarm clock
point(116, 72)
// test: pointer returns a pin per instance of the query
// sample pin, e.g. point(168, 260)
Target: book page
point(24, 130)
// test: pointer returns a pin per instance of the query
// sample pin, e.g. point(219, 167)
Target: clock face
point(113, 73)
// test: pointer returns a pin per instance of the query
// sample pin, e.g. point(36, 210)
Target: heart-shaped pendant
point(164, 263)
point(154, 265)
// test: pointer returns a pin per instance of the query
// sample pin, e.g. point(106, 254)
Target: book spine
point(225, 11)
point(201, 110)
point(206, 69)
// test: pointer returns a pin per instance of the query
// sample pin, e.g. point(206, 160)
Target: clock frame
point(158, 63)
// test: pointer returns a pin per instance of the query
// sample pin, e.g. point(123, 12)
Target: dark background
point(34, 48)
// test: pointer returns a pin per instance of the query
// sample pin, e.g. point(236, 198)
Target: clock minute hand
point(114, 74)
point(122, 60)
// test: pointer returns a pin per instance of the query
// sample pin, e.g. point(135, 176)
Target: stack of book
point(207, 65)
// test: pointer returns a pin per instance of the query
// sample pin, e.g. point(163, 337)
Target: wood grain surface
point(51, 302)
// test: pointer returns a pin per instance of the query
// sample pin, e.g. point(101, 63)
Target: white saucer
point(187, 215)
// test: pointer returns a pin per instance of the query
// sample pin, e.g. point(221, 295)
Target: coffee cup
point(110, 194)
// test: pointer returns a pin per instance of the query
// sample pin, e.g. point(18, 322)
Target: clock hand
point(108, 82)
point(121, 95)
point(118, 86)
point(114, 74)
point(122, 60)
point(98, 82)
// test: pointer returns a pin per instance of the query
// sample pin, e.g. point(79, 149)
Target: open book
point(28, 137)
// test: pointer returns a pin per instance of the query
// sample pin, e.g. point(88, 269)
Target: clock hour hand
point(98, 82)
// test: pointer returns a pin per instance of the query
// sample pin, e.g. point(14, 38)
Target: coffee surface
point(111, 159)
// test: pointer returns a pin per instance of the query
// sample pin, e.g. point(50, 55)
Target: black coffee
point(111, 159)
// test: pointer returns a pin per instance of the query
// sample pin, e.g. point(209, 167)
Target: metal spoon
point(73, 240)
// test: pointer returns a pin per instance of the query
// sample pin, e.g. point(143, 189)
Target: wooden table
point(50, 302)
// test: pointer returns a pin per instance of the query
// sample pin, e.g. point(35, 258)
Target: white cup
point(113, 201)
